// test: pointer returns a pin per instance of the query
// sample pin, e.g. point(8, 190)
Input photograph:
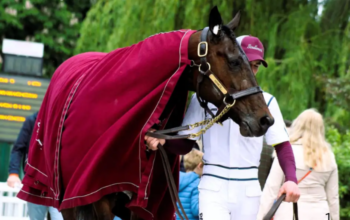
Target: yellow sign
point(15, 106)
point(34, 83)
point(12, 118)
point(19, 94)
point(6, 80)
point(12, 81)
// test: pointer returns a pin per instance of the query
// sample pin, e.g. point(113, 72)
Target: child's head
point(193, 161)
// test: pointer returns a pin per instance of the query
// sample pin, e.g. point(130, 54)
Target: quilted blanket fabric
point(88, 140)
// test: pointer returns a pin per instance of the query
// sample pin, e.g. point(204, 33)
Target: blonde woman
point(319, 198)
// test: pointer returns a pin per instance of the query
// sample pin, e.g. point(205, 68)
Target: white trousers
point(228, 200)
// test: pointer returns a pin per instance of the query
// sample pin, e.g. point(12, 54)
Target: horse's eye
point(234, 63)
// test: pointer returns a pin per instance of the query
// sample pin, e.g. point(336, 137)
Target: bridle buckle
point(199, 49)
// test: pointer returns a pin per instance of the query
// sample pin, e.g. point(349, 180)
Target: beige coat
point(319, 192)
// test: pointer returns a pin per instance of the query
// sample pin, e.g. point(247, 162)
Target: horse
point(215, 67)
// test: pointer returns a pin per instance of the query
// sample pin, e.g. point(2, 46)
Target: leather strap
point(203, 103)
point(203, 45)
point(204, 68)
point(277, 204)
point(172, 130)
point(250, 91)
point(167, 137)
point(171, 184)
point(295, 211)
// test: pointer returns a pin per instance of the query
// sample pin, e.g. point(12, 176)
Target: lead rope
point(171, 184)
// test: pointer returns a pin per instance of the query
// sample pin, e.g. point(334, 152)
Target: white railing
point(11, 207)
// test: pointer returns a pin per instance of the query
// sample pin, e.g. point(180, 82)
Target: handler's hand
point(152, 143)
point(12, 180)
point(291, 190)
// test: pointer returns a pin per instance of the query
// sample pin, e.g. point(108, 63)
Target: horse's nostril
point(267, 121)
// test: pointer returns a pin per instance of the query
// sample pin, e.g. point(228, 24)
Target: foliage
point(338, 90)
point(301, 44)
point(50, 22)
point(341, 147)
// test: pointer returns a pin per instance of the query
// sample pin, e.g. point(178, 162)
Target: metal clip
point(204, 72)
point(228, 104)
point(194, 64)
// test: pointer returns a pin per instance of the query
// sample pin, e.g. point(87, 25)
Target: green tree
point(341, 147)
point(51, 22)
point(303, 45)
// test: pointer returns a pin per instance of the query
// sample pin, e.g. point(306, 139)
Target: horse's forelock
point(228, 32)
point(225, 32)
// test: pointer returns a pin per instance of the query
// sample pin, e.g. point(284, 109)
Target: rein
point(205, 71)
point(277, 204)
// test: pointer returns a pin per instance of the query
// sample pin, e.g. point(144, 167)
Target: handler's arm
point(194, 114)
point(277, 136)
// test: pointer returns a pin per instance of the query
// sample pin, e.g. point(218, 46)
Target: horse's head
point(224, 76)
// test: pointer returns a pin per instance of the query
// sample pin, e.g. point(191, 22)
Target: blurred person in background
point(182, 166)
point(317, 173)
point(19, 155)
point(188, 187)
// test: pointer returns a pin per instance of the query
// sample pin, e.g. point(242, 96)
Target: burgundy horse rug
point(88, 140)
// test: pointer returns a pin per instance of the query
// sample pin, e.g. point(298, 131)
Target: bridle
point(205, 70)
point(229, 94)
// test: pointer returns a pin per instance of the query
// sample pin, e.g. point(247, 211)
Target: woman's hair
point(192, 159)
point(308, 127)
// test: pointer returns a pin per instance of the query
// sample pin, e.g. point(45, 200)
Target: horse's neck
point(188, 80)
point(193, 46)
point(173, 111)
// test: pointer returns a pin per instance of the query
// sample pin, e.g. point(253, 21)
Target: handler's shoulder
point(194, 96)
point(268, 98)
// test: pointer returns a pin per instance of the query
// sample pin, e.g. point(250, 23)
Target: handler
point(229, 188)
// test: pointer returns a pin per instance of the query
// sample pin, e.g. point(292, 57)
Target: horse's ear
point(233, 24)
point(215, 21)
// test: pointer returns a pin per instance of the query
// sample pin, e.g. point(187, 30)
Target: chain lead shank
point(210, 122)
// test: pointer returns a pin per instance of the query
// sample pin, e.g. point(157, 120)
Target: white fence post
point(11, 207)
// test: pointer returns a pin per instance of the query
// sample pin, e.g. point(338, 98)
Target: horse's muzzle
point(267, 121)
point(256, 128)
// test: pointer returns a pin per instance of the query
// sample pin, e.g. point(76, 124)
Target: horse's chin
point(248, 130)
point(245, 130)
point(248, 127)
point(244, 127)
